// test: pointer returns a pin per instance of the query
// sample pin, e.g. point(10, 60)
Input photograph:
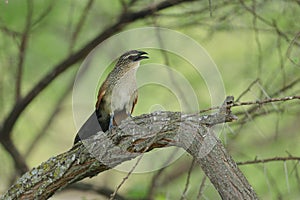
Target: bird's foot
point(111, 122)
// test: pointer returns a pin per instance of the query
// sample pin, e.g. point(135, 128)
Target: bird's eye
point(131, 57)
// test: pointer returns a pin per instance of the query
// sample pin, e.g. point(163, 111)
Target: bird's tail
point(89, 128)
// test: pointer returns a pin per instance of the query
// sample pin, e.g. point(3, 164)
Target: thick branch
point(129, 140)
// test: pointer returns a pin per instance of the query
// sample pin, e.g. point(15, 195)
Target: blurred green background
point(247, 40)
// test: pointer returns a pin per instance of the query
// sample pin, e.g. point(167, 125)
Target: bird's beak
point(141, 55)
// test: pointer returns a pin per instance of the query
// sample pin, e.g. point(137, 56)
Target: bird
point(117, 96)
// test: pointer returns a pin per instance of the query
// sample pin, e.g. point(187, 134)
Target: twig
point(289, 86)
point(42, 15)
point(202, 186)
point(155, 178)
point(286, 176)
point(257, 40)
point(256, 107)
point(112, 196)
point(247, 89)
point(19, 161)
point(9, 31)
point(210, 8)
point(258, 102)
point(183, 195)
point(269, 100)
point(80, 24)
point(281, 60)
point(289, 51)
point(297, 177)
point(22, 49)
point(148, 147)
point(278, 31)
point(256, 161)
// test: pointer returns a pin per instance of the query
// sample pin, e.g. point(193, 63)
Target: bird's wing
point(101, 93)
point(89, 128)
point(135, 98)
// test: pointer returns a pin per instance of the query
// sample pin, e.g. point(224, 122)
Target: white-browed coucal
point(117, 96)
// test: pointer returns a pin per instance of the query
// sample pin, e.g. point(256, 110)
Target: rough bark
point(132, 138)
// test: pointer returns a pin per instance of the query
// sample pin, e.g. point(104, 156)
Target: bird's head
point(131, 58)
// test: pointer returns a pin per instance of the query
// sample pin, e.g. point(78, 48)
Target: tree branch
point(23, 48)
point(80, 23)
point(268, 100)
point(255, 161)
point(132, 138)
point(19, 161)
point(257, 102)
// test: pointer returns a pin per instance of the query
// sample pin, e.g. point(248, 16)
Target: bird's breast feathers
point(123, 91)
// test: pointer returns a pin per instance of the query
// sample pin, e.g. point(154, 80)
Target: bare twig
point(256, 107)
point(202, 186)
point(42, 16)
point(80, 24)
point(257, 40)
point(258, 102)
point(265, 21)
point(247, 89)
point(210, 8)
point(268, 100)
point(281, 59)
point(19, 161)
point(183, 195)
point(297, 175)
point(291, 46)
point(23, 48)
point(155, 179)
point(112, 196)
point(9, 31)
point(256, 161)
point(286, 87)
point(136, 164)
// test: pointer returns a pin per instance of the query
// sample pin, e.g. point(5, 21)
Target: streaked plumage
point(117, 95)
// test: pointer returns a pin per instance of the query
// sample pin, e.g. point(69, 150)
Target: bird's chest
point(123, 91)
